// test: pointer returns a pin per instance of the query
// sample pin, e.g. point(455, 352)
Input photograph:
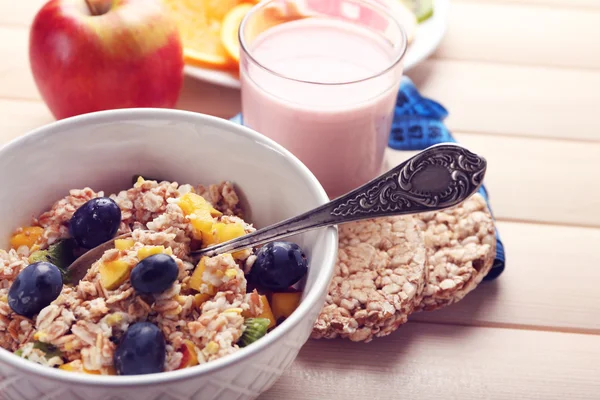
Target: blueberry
point(154, 274)
point(278, 266)
point(36, 286)
point(95, 222)
point(142, 350)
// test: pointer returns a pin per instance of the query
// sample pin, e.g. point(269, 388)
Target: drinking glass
point(320, 77)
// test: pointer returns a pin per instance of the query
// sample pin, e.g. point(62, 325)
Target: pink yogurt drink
point(323, 86)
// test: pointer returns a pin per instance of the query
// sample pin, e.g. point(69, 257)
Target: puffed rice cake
point(379, 279)
point(461, 247)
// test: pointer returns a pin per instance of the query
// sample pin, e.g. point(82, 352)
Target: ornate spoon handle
point(439, 177)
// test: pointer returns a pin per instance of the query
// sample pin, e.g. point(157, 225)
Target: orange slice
point(200, 34)
point(230, 28)
point(218, 8)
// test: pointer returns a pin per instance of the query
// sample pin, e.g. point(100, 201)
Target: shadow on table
point(450, 323)
point(420, 73)
point(472, 310)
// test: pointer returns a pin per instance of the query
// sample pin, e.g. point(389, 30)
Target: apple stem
point(98, 7)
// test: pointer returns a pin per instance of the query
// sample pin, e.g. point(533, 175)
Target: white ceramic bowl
point(103, 150)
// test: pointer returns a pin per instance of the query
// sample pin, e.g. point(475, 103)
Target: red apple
point(92, 55)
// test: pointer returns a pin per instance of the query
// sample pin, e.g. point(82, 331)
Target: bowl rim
point(311, 298)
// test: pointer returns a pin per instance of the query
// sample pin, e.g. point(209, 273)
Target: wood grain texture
point(21, 15)
point(564, 4)
point(18, 117)
point(547, 181)
point(431, 362)
point(547, 284)
point(571, 32)
point(513, 100)
point(16, 81)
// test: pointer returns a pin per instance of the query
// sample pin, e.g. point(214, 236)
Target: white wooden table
point(521, 79)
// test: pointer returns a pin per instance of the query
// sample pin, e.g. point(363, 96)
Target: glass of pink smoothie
point(320, 77)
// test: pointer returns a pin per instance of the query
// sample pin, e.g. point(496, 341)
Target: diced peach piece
point(284, 304)
point(226, 232)
point(191, 203)
point(148, 251)
point(190, 357)
point(202, 222)
point(113, 273)
point(28, 236)
point(201, 298)
point(75, 366)
point(196, 280)
point(267, 313)
point(70, 367)
point(124, 244)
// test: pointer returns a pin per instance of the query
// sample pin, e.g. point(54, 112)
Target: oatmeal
point(145, 306)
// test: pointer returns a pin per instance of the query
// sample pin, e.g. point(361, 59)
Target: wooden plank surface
point(549, 283)
point(562, 4)
point(431, 362)
point(21, 15)
point(513, 100)
point(573, 33)
point(537, 180)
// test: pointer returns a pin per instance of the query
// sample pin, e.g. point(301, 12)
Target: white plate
point(427, 39)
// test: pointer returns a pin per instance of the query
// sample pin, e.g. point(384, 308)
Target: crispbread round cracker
point(461, 246)
point(379, 278)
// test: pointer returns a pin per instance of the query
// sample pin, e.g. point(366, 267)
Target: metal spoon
point(439, 177)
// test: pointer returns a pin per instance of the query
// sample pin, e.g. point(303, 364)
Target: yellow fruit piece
point(181, 299)
point(113, 273)
point(267, 313)
point(196, 280)
point(212, 347)
point(71, 367)
point(225, 232)
point(231, 273)
point(202, 222)
point(217, 9)
point(113, 319)
point(201, 298)
point(27, 237)
point(75, 366)
point(191, 203)
point(148, 251)
point(190, 357)
point(86, 371)
point(230, 29)
point(124, 244)
point(284, 304)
